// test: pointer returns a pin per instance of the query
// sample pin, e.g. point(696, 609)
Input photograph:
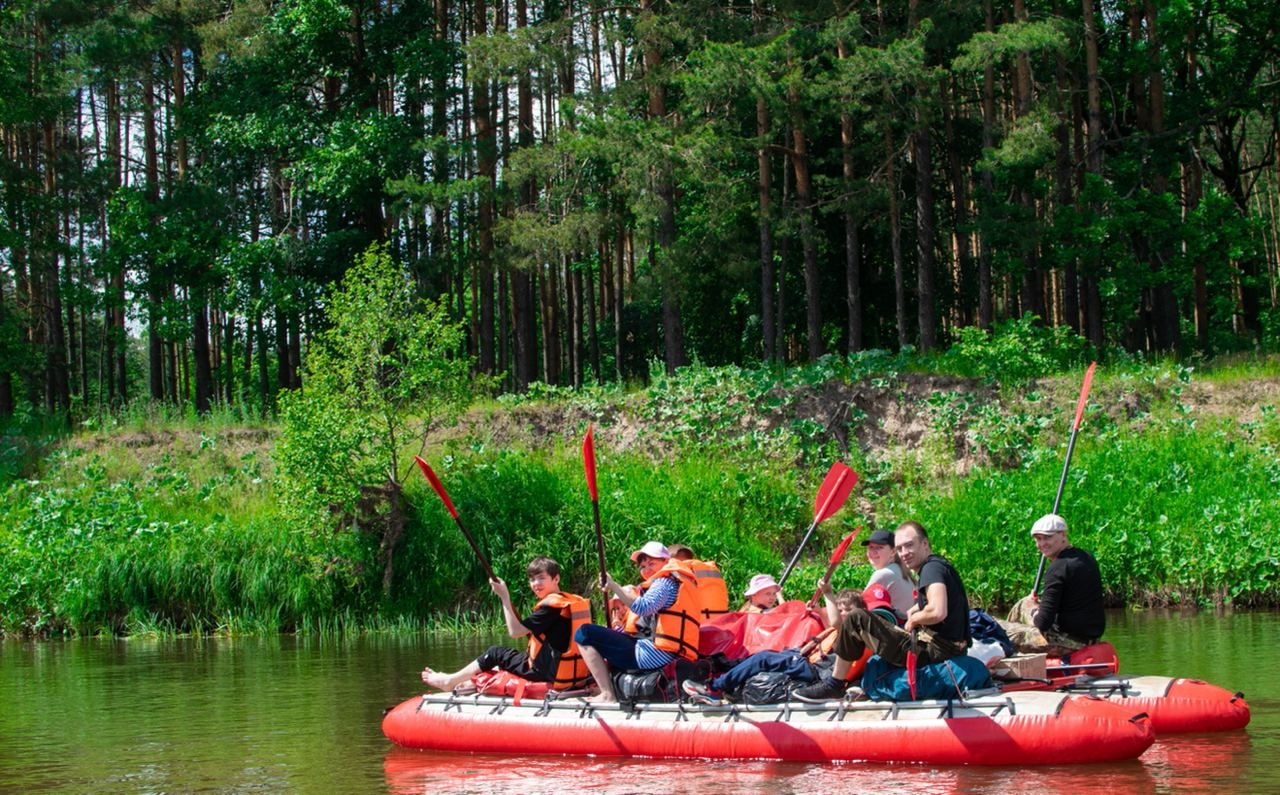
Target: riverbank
point(163, 525)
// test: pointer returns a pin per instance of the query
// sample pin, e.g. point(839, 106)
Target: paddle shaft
point(595, 513)
point(818, 516)
point(484, 562)
point(1066, 464)
point(440, 491)
point(826, 580)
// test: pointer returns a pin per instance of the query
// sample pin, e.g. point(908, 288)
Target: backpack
point(983, 627)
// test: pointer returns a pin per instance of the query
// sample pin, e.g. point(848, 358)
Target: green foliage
point(1174, 516)
point(1015, 350)
point(383, 375)
point(168, 524)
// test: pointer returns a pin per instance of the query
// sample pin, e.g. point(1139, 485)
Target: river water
point(302, 715)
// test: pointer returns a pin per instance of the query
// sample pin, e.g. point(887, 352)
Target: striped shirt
point(661, 595)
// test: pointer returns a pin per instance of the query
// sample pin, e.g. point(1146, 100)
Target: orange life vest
point(676, 627)
point(571, 672)
point(712, 592)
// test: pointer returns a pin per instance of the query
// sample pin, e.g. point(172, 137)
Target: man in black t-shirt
point(1068, 609)
point(548, 624)
point(941, 614)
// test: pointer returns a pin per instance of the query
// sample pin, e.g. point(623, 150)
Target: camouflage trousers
point(1030, 640)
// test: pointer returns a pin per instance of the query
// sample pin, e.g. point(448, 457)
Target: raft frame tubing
point(1079, 730)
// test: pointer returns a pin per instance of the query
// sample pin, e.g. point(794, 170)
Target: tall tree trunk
point(526, 353)
point(486, 160)
point(926, 224)
point(1032, 278)
point(672, 324)
point(959, 204)
point(155, 285)
point(117, 379)
point(852, 256)
point(1093, 294)
point(1064, 181)
point(1164, 304)
point(808, 242)
point(895, 239)
point(986, 313)
point(764, 183)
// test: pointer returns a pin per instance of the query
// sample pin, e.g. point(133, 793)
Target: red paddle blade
point(911, 673)
point(437, 485)
point(1084, 394)
point(838, 554)
point(589, 462)
point(835, 490)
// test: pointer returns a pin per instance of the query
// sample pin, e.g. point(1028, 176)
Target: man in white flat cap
point(1068, 609)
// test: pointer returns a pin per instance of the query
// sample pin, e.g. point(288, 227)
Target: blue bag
point(983, 627)
point(884, 682)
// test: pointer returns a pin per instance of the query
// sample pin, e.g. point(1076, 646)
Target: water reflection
point(411, 772)
point(298, 715)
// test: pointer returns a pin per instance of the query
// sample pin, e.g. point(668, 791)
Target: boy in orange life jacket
point(551, 657)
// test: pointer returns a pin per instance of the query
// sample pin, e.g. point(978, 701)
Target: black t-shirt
point(1071, 600)
point(937, 569)
point(549, 626)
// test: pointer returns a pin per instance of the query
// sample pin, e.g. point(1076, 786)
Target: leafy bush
point(1015, 351)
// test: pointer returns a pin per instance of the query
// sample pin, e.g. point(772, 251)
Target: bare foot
point(601, 698)
point(437, 680)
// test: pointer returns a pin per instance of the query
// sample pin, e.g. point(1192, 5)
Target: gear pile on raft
point(901, 671)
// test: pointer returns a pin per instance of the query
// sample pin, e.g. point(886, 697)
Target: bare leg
point(448, 682)
point(600, 671)
point(841, 670)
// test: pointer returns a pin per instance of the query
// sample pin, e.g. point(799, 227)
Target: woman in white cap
point(762, 594)
point(669, 605)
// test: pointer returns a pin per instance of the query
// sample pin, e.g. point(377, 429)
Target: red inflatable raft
point(1175, 706)
point(1012, 729)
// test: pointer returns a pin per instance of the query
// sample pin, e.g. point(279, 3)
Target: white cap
point(1049, 524)
point(652, 549)
point(759, 583)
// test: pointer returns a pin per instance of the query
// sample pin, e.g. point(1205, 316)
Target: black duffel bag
point(633, 686)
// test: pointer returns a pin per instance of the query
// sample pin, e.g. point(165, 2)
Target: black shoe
point(700, 694)
point(822, 691)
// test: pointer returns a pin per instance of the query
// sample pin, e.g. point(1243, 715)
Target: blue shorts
point(617, 648)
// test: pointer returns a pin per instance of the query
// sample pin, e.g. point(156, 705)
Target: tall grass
point(118, 533)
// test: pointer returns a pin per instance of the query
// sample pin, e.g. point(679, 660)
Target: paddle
point(834, 491)
point(913, 660)
point(589, 465)
point(448, 504)
point(1066, 464)
point(836, 557)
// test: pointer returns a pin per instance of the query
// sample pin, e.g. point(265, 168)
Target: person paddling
point(552, 655)
point(670, 596)
point(1068, 610)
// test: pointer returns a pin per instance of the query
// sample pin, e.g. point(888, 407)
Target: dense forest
point(588, 186)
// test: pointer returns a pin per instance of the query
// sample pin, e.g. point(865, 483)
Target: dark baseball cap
point(879, 537)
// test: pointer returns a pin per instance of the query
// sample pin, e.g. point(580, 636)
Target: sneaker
point(822, 691)
point(699, 693)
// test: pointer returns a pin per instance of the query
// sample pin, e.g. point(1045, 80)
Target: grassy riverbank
point(161, 524)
